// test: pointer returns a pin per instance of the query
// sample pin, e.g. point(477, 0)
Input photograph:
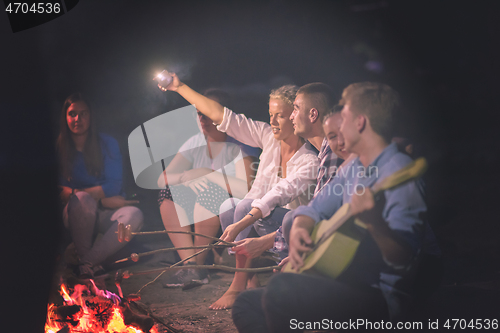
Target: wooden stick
point(177, 264)
point(169, 327)
point(135, 256)
point(221, 267)
point(124, 233)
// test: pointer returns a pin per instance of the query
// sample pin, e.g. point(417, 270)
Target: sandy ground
point(187, 311)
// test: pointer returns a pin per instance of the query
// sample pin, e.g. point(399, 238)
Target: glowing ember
point(87, 310)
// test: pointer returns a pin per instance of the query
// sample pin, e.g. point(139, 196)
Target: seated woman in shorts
point(195, 192)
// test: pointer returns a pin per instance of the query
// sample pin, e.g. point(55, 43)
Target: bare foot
point(253, 282)
point(226, 301)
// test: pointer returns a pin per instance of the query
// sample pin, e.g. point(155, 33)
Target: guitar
point(336, 240)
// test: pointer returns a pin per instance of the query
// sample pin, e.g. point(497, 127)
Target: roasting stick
point(126, 274)
point(125, 234)
point(177, 264)
point(135, 256)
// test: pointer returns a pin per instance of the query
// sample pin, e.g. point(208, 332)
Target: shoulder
point(196, 140)
point(107, 139)
point(109, 143)
point(325, 148)
point(307, 154)
point(410, 192)
point(395, 163)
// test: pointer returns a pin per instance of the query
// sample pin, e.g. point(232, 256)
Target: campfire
point(89, 309)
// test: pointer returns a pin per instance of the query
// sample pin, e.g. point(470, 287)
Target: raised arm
point(205, 105)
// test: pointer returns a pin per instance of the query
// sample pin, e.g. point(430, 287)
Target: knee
point(226, 213)
point(228, 205)
point(81, 202)
point(287, 225)
point(242, 208)
point(129, 215)
point(241, 305)
point(245, 306)
point(278, 291)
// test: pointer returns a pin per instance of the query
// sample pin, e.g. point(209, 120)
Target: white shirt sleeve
point(250, 132)
point(294, 185)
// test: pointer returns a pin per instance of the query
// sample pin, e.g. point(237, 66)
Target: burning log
point(65, 313)
point(130, 317)
point(94, 310)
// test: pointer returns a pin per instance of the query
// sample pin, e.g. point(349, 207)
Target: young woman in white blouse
point(285, 178)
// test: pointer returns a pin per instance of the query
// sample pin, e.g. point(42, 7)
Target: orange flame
point(90, 316)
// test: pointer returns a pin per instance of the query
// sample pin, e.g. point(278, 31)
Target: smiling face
point(335, 139)
point(78, 118)
point(279, 114)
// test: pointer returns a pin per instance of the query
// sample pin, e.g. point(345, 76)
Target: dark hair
point(221, 96)
point(377, 101)
point(66, 150)
point(336, 109)
point(321, 96)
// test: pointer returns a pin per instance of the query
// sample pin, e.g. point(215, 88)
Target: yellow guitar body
point(335, 253)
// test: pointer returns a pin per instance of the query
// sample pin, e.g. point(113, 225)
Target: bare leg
point(171, 214)
point(209, 225)
point(237, 286)
point(253, 281)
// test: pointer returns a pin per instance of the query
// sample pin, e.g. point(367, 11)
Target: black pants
point(289, 299)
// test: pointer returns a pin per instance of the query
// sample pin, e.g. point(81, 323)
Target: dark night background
point(441, 56)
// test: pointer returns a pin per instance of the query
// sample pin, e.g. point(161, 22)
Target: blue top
point(403, 213)
point(110, 178)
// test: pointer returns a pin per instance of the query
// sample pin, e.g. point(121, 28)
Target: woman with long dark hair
point(91, 186)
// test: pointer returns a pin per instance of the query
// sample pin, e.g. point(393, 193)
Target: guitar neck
point(410, 172)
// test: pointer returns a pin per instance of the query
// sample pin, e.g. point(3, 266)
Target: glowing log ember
point(93, 310)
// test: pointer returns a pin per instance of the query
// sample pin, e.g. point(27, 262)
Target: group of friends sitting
point(267, 185)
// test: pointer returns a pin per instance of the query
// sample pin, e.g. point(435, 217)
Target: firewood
point(130, 317)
